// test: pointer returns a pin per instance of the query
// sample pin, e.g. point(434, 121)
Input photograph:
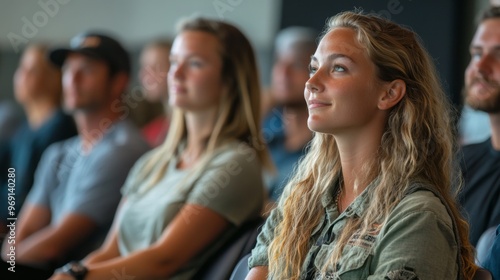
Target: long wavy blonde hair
point(238, 112)
point(418, 145)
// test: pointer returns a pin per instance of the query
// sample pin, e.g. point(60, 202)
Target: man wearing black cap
point(77, 185)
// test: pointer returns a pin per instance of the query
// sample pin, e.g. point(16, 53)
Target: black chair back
point(225, 260)
point(241, 270)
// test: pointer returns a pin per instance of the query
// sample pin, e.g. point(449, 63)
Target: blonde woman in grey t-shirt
point(186, 197)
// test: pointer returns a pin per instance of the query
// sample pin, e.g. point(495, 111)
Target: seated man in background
point(480, 197)
point(77, 185)
point(285, 126)
point(37, 88)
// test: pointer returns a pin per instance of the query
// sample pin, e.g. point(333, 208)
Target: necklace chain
point(338, 193)
point(187, 157)
point(337, 197)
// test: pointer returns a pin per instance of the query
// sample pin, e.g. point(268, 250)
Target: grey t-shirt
point(231, 186)
point(68, 181)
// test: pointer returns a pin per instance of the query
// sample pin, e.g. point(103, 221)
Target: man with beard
point(285, 127)
point(77, 183)
point(480, 196)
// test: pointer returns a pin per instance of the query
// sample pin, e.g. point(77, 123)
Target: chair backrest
point(223, 263)
point(241, 270)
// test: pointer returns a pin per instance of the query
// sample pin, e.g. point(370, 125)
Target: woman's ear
point(394, 92)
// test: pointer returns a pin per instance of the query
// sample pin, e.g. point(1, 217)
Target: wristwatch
point(75, 269)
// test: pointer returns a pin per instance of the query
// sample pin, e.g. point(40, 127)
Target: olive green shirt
point(417, 242)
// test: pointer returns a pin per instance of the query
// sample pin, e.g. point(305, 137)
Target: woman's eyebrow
point(333, 56)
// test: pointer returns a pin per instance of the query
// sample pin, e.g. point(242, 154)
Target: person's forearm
point(5, 249)
point(144, 264)
point(99, 256)
point(39, 248)
point(24, 232)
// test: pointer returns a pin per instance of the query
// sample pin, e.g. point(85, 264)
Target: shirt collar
point(357, 207)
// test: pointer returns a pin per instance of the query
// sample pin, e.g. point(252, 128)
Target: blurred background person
point(474, 126)
point(77, 186)
point(37, 88)
point(11, 117)
point(154, 65)
point(480, 196)
point(285, 125)
point(185, 199)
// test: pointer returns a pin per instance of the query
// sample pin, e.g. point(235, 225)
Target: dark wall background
point(440, 24)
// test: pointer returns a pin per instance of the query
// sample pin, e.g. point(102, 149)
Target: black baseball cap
point(98, 46)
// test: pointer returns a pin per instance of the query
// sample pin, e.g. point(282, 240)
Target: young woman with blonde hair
point(372, 198)
point(184, 199)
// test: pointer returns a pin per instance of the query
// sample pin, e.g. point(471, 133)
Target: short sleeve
point(99, 185)
point(231, 185)
point(46, 175)
point(259, 255)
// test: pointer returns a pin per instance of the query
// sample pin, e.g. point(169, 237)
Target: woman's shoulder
point(237, 151)
point(422, 201)
point(134, 177)
point(234, 159)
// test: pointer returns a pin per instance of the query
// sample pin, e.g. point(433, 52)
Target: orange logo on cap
point(90, 42)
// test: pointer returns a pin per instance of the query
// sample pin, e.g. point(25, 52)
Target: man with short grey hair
point(285, 126)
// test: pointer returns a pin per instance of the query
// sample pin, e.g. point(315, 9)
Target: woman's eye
point(195, 63)
point(312, 70)
point(338, 68)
